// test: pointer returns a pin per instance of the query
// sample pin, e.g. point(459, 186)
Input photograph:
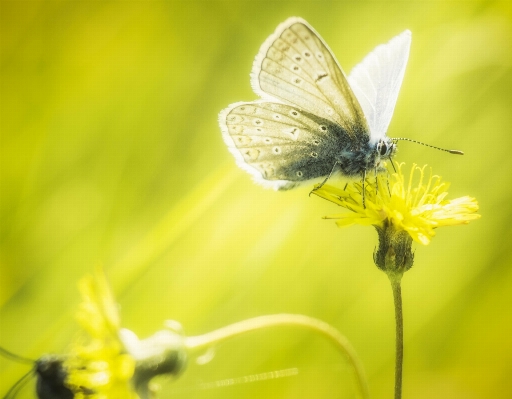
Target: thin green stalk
point(293, 320)
point(397, 296)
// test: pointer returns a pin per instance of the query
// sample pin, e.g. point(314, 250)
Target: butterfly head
point(385, 148)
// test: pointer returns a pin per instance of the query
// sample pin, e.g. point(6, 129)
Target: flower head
point(414, 204)
point(114, 362)
point(101, 368)
point(402, 208)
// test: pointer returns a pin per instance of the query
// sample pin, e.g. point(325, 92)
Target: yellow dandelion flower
point(101, 368)
point(401, 209)
point(416, 208)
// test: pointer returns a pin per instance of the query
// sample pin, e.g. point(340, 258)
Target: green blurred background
point(111, 154)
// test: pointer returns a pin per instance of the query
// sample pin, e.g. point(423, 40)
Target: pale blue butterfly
point(311, 120)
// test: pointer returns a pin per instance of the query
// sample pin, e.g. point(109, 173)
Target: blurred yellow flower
point(101, 368)
point(415, 205)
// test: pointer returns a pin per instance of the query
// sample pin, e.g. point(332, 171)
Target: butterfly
point(312, 121)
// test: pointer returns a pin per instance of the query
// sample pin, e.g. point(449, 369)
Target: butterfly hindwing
point(279, 145)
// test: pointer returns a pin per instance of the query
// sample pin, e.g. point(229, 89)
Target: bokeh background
point(111, 154)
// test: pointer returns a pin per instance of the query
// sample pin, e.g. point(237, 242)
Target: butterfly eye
point(382, 148)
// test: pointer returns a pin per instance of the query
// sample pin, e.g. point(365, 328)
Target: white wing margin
point(376, 82)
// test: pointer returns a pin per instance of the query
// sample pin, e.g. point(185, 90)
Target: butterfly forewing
point(280, 145)
point(377, 79)
point(294, 65)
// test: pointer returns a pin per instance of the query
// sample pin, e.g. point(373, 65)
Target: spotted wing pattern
point(279, 145)
point(296, 66)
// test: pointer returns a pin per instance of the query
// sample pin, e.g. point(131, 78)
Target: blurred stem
point(293, 320)
point(397, 296)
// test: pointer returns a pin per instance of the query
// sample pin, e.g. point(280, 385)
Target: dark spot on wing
point(321, 77)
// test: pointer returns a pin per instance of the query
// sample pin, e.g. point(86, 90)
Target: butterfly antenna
point(428, 145)
point(9, 355)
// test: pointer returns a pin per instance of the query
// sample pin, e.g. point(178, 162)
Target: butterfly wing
point(376, 82)
point(296, 66)
point(279, 145)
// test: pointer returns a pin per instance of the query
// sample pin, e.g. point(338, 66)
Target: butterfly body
point(310, 122)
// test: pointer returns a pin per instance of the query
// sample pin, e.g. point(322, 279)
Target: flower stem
point(256, 323)
point(397, 296)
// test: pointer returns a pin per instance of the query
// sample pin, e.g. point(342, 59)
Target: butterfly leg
point(329, 175)
point(387, 182)
point(392, 164)
point(364, 182)
point(376, 181)
point(327, 178)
